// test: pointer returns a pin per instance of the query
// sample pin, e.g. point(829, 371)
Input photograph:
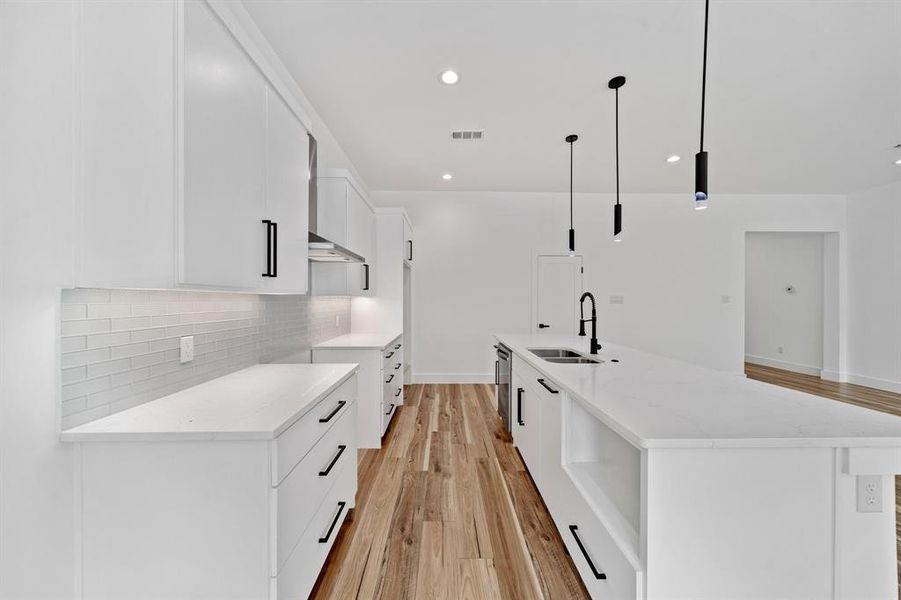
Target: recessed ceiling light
point(898, 162)
point(673, 158)
point(449, 77)
point(447, 177)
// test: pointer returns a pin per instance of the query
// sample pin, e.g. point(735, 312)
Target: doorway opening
point(792, 302)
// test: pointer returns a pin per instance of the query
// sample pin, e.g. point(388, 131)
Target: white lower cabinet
point(381, 385)
point(231, 519)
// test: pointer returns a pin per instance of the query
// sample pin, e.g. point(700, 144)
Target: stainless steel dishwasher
point(503, 374)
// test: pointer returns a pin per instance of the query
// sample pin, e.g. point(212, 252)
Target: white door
point(558, 285)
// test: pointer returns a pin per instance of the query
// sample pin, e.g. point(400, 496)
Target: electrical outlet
point(869, 493)
point(725, 299)
point(186, 349)
point(779, 349)
point(337, 320)
point(616, 299)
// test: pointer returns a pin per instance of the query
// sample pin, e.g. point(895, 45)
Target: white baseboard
point(782, 364)
point(873, 382)
point(453, 377)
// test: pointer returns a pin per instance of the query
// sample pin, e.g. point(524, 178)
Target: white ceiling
point(803, 95)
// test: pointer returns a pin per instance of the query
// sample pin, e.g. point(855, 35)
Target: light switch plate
point(616, 299)
point(186, 349)
point(869, 493)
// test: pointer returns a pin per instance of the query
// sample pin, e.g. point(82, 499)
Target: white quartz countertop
point(360, 340)
point(657, 402)
point(259, 402)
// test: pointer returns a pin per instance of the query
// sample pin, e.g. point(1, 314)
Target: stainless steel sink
point(573, 360)
point(563, 356)
point(554, 353)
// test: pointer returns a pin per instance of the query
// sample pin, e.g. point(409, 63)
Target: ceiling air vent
point(467, 134)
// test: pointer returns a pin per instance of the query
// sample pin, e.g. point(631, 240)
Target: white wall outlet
point(186, 349)
point(337, 320)
point(726, 299)
point(779, 349)
point(869, 493)
point(616, 299)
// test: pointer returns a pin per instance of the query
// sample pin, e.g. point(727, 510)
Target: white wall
point(36, 173)
point(675, 265)
point(874, 287)
point(782, 329)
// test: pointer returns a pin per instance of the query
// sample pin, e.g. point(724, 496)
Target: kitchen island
point(670, 480)
point(232, 489)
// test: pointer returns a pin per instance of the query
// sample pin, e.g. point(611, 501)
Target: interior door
point(558, 286)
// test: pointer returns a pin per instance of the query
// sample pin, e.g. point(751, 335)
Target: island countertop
point(658, 402)
point(258, 402)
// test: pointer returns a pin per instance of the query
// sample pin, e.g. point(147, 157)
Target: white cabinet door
point(553, 478)
point(360, 231)
point(331, 209)
point(126, 222)
point(287, 191)
point(222, 238)
point(408, 242)
point(526, 426)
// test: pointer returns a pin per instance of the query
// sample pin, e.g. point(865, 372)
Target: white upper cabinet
point(345, 218)
point(223, 239)
point(188, 147)
point(125, 207)
point(287, 190)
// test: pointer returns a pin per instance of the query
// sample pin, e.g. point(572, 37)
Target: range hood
point(319, 248)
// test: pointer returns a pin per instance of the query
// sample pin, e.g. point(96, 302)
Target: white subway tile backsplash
point(120, 347)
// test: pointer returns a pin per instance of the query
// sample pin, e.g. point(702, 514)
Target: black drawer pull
point(390, 410)
point(334, 412)
point(397, 366)
point(390, 377)
point(390, 354)
point(324, 540)
point(597, 574)
point(397, 393)
point(397, 347)
point(519, 393)
point(547, 387)
point(326, 471)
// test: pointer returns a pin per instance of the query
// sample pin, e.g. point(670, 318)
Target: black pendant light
point(572, 232)
point(614, 84)
point(701, 157)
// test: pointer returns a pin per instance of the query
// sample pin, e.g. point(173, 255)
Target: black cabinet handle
point(597, 574)
point(390, 410)
point(497, 372)
point(268, 225)
point(519, 393)
point(334, 412)
point(390, 354)
point(543, 326)
point(397, 393)
point(547, 387)
point(397, 347)
point(328, 534)
point(411, 249)
point(397, 366)
point(365, 277)
point(390, 377)
point(274, 249)
point(335, 458)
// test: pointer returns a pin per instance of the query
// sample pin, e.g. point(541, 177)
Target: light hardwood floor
point(887, 402)
point(446, 509)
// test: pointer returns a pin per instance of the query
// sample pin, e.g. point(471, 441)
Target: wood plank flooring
point(880, 400)
point(446, 509)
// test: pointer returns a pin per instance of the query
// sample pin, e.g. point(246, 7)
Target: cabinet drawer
point(291, 446)
point(530, 376)
point(299, 495)
point(389, 408)
point(594, 552)
point(296, 578)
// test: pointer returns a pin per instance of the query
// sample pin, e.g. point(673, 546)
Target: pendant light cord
point(570, 185)
point(617, 144)
point(704, 71)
